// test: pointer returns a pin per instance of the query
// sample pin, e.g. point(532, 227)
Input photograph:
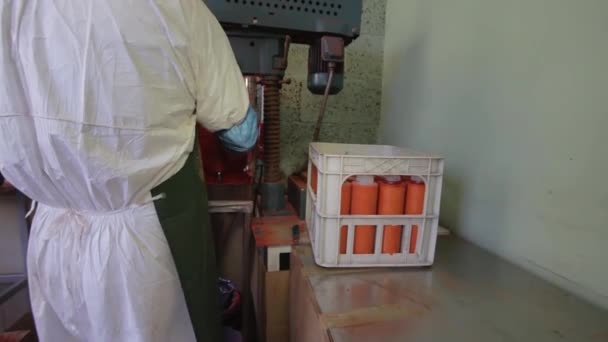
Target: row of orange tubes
point(391, 195)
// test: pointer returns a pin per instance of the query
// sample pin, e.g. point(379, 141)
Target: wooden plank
point(231, 207)
point(271, 301)
point(304, 313)
point(277, 306)
point(257, 293)
point(369, 315)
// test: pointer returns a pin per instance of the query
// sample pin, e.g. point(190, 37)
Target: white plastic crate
point(335, 163)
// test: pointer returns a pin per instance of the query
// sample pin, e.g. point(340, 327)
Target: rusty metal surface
point(277, 231)
point(468, 295)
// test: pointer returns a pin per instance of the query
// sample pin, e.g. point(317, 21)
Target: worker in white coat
point(98, 105)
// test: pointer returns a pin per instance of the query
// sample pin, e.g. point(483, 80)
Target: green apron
point(184, 216)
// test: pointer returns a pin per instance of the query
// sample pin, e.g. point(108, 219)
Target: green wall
point(352, 116)
point(514, 94)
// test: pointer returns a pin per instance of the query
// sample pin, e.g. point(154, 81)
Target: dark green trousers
point(184, 216)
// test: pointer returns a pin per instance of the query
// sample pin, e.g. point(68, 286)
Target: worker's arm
point(243, 136)
point(222, 101)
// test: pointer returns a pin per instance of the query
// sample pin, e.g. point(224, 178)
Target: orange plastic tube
point(345, 210)
point(314, 178)
point(414, 205)
point(364, 202)
point(391, 202)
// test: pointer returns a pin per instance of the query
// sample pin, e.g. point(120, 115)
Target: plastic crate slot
point(335, 165)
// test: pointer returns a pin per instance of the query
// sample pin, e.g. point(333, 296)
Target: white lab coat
point(98, 103)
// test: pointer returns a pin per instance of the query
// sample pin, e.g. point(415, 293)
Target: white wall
point(515, 95)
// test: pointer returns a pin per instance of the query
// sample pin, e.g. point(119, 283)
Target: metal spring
point(272, 131)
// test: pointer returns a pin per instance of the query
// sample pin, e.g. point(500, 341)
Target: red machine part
point(222, 166)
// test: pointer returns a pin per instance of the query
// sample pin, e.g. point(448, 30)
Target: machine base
point(273, 196)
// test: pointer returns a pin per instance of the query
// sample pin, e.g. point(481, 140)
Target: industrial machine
point(260, 33)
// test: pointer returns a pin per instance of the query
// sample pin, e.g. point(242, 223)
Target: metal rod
point(332, 67)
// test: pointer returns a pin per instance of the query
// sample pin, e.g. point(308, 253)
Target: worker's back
point(98, 105)
point(97, 97)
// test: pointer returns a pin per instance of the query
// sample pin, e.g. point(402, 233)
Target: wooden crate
point(271, 301)
point(304, 314)
point(270, 279)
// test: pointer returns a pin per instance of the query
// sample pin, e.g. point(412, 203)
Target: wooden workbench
point(468, 295)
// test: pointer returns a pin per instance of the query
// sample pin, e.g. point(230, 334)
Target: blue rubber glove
point(243, 136)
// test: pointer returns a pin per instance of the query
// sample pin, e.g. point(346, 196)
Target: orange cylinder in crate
point(364, 202)
point(314, 178)
point(391, 201)
point(345, 210)
point(414, 205)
